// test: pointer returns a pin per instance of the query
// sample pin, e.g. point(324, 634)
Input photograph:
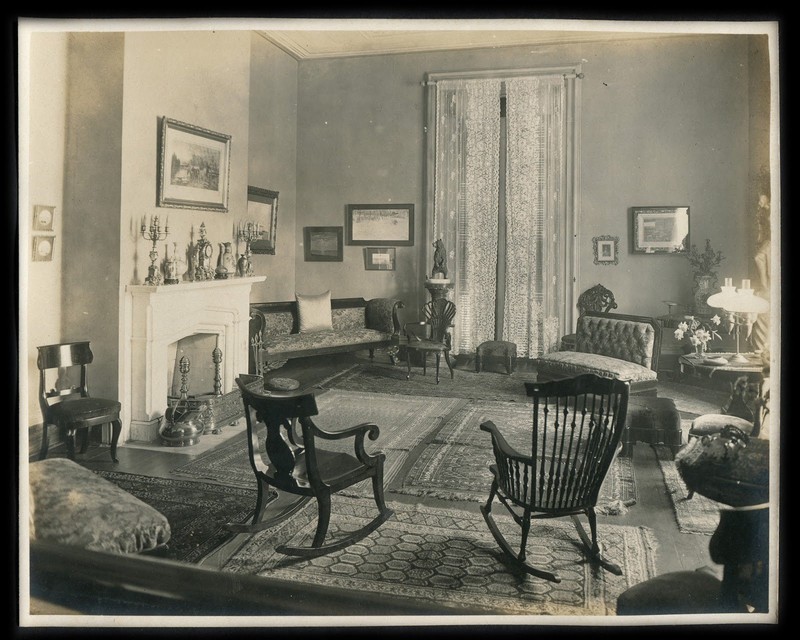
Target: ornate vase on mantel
point(704, 286)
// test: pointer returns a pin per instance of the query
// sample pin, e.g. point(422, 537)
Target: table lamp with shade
point(740, 305)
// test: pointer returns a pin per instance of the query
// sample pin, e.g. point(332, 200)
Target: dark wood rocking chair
point(300, 469)
point(577, 426)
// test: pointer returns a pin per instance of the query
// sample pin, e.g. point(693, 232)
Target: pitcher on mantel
point(226, 263)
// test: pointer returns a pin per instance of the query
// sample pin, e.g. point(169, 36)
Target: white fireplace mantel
point(157, 316)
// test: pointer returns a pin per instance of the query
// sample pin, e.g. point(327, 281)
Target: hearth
point(157, 317)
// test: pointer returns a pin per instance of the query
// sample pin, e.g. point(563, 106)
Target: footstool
point(496, 352)
point(652, 420)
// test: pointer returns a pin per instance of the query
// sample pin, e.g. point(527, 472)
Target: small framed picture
point(43, 215)
point(379, 259)
point(606, 249)
point(323, 244)
point(660, 230)
point(43, 248)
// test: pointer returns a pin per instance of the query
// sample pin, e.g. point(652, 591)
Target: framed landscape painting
point(323, 244)
point(660, 230)
point(389, 224)
point(194, 166)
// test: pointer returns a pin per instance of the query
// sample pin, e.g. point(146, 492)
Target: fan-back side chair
point(596, 298)
point(299, 467)
point(68, 405)
point(577, 426)
point(439, 315)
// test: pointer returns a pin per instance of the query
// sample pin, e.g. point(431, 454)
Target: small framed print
point(43, 248)
point(43, 215)
point(379, 259)
point(606, 249)
point(323, 244)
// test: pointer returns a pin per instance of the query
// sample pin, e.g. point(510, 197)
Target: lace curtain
point(466, 201)
point(466, 197)
point(535, 214)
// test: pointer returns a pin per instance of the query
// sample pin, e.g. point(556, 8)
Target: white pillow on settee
point(314, 312)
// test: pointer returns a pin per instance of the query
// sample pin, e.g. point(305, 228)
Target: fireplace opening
point(197, 381)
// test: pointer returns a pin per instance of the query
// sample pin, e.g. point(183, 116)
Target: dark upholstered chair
point(67, 403)
point(439, 315)
point(577, 426)
point(596, 298)
point(300, 467)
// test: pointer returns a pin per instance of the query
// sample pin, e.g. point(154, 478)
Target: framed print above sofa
point(386, 224)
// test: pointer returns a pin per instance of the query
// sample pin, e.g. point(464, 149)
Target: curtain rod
point(566, 76)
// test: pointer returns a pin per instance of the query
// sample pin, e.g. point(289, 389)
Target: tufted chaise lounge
point(613, 345)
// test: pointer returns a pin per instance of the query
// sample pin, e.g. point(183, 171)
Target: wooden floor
point(653, 509)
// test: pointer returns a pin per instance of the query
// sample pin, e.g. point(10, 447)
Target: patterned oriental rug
point(449, 557)
point(455, 464)
point(404, 423)
point(698, 515)
point(384, 378)
point(433, 447)
point(196, 511)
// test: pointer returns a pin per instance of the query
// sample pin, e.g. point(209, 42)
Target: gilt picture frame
point(323, 244)
point(262, 208)
point(660, 230)
point(385, 224)
point(606, 250)
point(194, 167)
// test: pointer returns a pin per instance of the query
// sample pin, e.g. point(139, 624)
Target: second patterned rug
point(454, 465)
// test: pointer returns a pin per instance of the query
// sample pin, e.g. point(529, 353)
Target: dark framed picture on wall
point(389, 224)
point(379, 258)
point(323, 244)
point(660, 230)
point(194, 166)
point(262, 209)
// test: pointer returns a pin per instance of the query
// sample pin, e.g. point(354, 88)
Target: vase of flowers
point(698, 332)
point(704, 270)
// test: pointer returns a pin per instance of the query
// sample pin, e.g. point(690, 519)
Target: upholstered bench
point(652, 420)
point(72, 505)
point(313, 325)
point(612, 345)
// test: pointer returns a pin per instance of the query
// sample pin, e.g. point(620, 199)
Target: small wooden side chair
point(439, 315)
point(71, 408)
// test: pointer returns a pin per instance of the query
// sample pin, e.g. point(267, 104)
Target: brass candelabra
point(247, 232)
point(155, 234)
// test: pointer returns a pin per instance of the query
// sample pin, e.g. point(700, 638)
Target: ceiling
point(333, 43)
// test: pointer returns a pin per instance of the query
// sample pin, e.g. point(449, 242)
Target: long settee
point(613, 345)
point(277, 333)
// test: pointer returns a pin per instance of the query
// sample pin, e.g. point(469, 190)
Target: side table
point(699, 367)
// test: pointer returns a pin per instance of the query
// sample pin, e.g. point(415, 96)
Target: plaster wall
point(662, 122)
